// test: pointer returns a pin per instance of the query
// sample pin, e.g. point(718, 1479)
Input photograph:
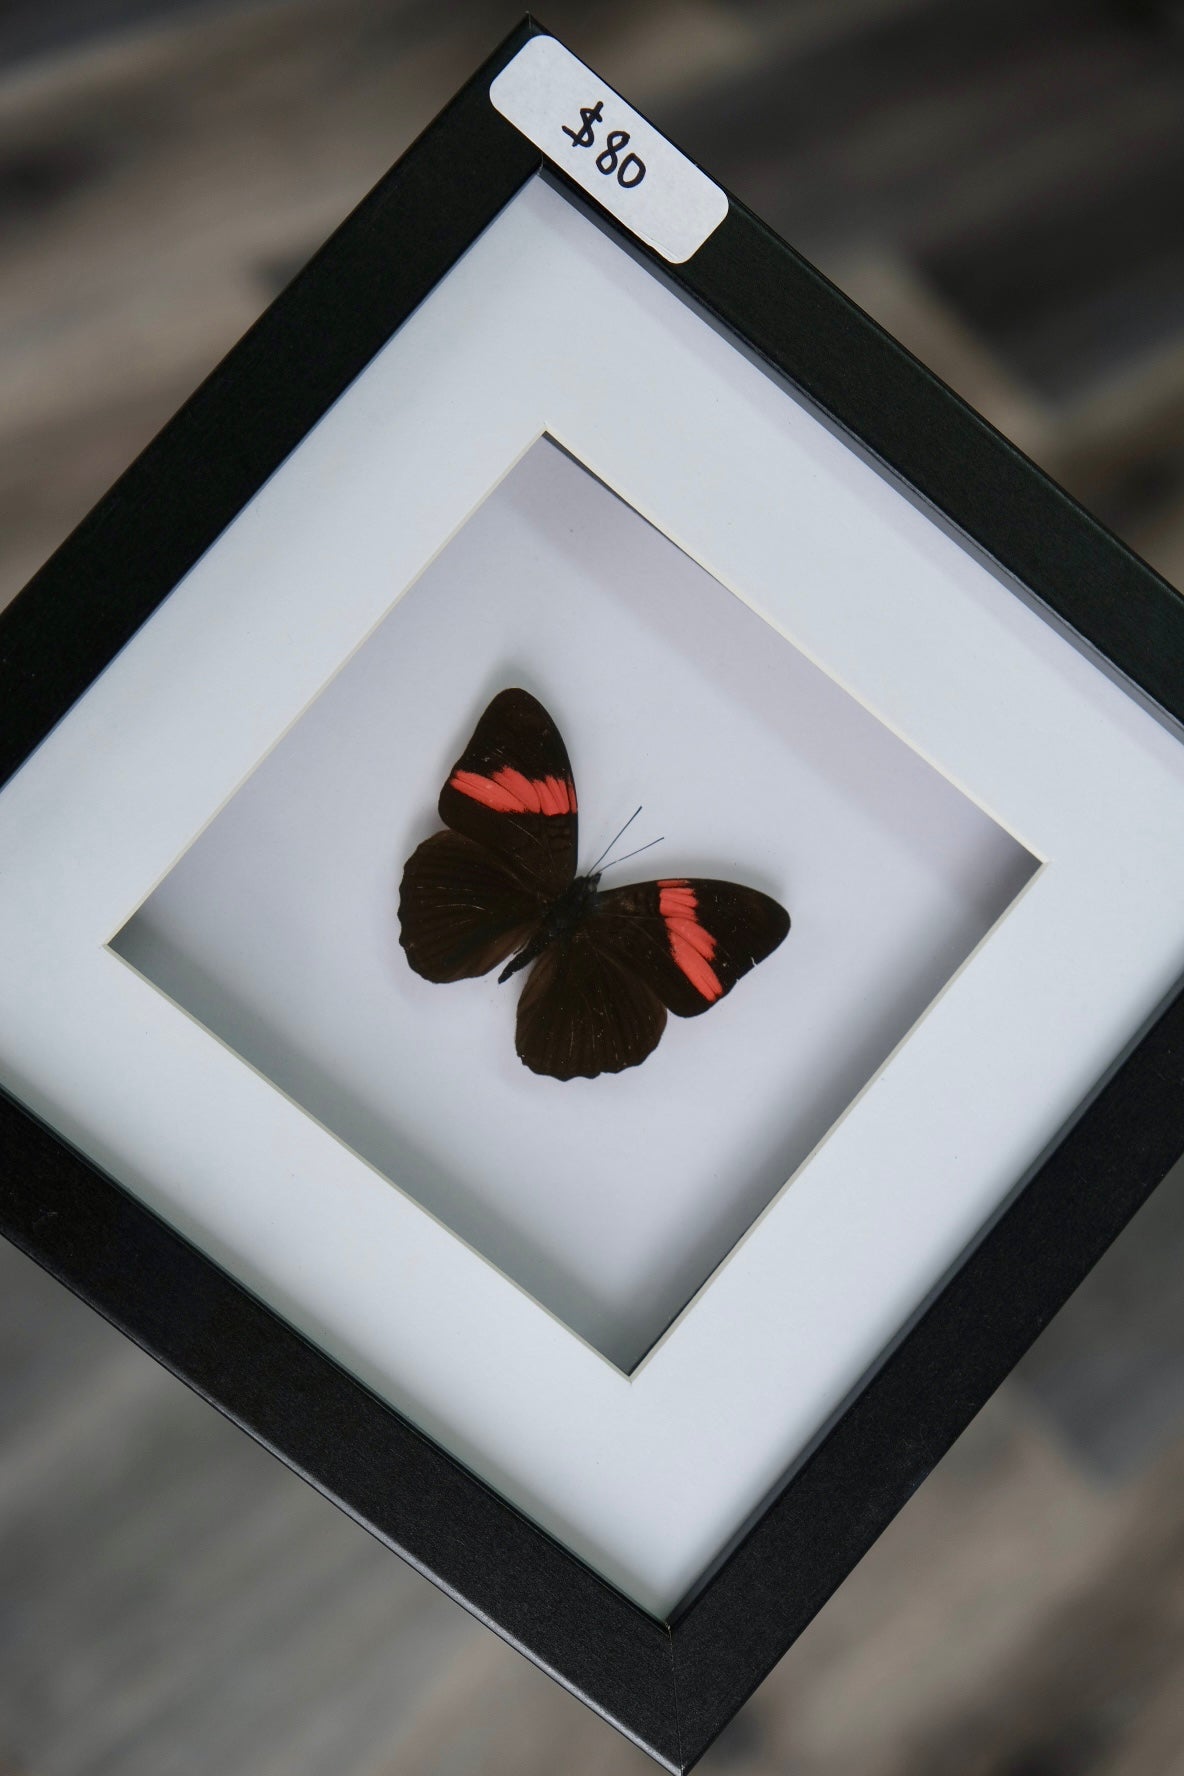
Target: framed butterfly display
point(606, 965)
point(428, 1149)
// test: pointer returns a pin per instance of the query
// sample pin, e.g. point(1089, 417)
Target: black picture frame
point(669, 1685)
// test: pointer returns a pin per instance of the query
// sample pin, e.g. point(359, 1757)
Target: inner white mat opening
point(608, 1200)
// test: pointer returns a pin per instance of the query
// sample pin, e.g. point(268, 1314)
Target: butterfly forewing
point(512, 790)
point(688, 938)
point(473, 896)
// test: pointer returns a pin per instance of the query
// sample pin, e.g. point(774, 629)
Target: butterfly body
point(560, 923)
point(500, 887)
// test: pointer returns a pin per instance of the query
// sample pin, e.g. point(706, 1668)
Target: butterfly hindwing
point(688, 938)
point(512, 790)
point(582, 1012)
point(461, 911)
point(596, 1000)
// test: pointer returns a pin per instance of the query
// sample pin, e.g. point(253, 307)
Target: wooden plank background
point(1002, 185)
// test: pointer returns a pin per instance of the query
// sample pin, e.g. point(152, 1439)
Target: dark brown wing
point(461, 911)
point(512, 790)
point(582, 1012)
point(690, 940)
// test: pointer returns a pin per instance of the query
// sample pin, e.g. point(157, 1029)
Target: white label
point(594, 136)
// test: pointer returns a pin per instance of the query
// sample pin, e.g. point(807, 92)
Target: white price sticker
point(584, 127)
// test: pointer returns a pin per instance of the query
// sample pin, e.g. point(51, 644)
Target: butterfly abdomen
point(562, 918)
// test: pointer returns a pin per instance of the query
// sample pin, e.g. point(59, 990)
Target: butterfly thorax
point(562, 918)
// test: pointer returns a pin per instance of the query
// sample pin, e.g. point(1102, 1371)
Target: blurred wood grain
point(172, 1601)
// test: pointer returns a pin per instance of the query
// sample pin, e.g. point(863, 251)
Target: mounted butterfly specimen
point(500, 887)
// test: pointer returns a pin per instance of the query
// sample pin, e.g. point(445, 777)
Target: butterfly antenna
point(613, 841)
point(629, 854)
